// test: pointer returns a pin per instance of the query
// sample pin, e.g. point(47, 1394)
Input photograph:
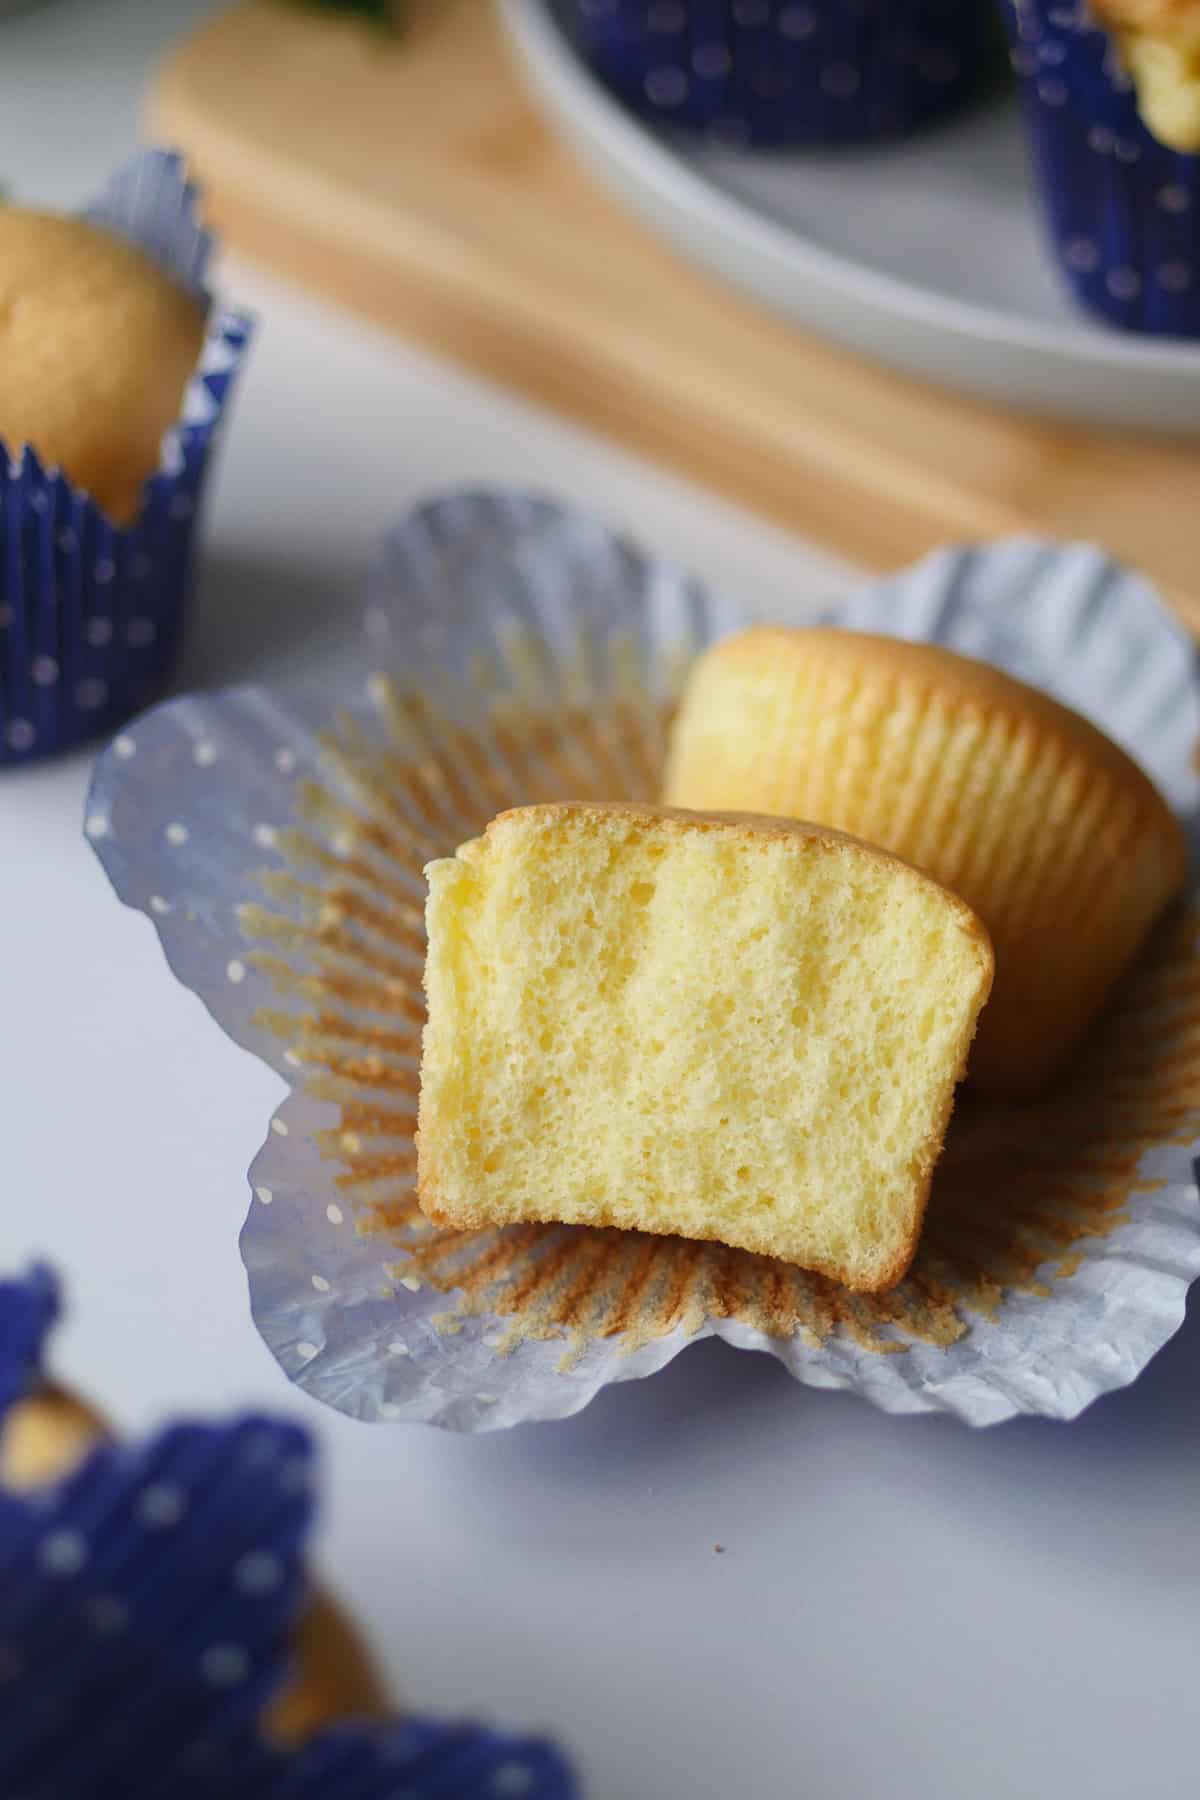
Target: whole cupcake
point(1046, 828)
point(776, 72)
point(1112, 106)
point(114, 370)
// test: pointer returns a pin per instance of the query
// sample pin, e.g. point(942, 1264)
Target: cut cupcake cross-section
point(717, 1025)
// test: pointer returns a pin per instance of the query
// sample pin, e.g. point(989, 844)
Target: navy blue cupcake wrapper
point(147, 1603)
point(1123, 210)
point(90, 614)
point(776, 72)
point(28, 1310)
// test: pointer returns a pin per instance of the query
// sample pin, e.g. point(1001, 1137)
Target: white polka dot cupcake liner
point(91, 613)
point(1123, 210)
point(780, 72)
point(513, 650)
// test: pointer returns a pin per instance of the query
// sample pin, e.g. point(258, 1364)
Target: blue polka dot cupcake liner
point(90, 613)
point(148, 1601)
point(1123, 210)
point(789, 72)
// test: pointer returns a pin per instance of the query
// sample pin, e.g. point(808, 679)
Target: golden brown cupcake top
point(960, 681)
point(1159, 41)
point(1165, 17)
point(97, 345)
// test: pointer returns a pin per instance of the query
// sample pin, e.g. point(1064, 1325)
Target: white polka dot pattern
point(779, 72)
point(149, 1599)
point(160, 1505)
point(295, 1477)
point(485, 570)
point(258, 1572)
point(91, 613)
point(1119, 203)
point(510, 1781)
point(63, 1552)
point(224, 1665)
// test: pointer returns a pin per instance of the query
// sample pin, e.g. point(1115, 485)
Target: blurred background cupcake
point(779, 72)
point(115, 367)
point(1111, 98)
point(159, 1631)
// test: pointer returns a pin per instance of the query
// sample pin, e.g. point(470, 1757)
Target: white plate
point(926, 255)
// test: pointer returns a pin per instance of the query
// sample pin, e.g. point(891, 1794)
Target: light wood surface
point(414, 181)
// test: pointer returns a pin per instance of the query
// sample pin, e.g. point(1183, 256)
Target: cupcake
point(158, 1630)
point(114, 369)
point(1111, 99)
point(1054, 836)
point(46, 1436)
point(777, 72)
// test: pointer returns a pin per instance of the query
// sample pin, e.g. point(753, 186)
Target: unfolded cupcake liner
point(774, 72)
point(1123, 210)
point(516, 651)
point(148, 1605)
point(91, 613)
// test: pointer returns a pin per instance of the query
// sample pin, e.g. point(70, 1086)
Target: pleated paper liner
point(279, 844)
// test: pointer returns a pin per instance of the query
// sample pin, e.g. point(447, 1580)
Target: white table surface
point(904, 1607)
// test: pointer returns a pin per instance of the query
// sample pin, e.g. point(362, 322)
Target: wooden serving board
point(414, 181)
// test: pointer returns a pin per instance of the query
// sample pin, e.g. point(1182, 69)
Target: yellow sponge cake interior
point(722, 1026)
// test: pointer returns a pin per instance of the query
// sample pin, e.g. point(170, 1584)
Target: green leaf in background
point(384, 13)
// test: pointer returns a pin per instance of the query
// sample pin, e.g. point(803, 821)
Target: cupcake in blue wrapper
point(1116, 147)
point(778, 72)
point(152, 1606)
point(95, 554)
